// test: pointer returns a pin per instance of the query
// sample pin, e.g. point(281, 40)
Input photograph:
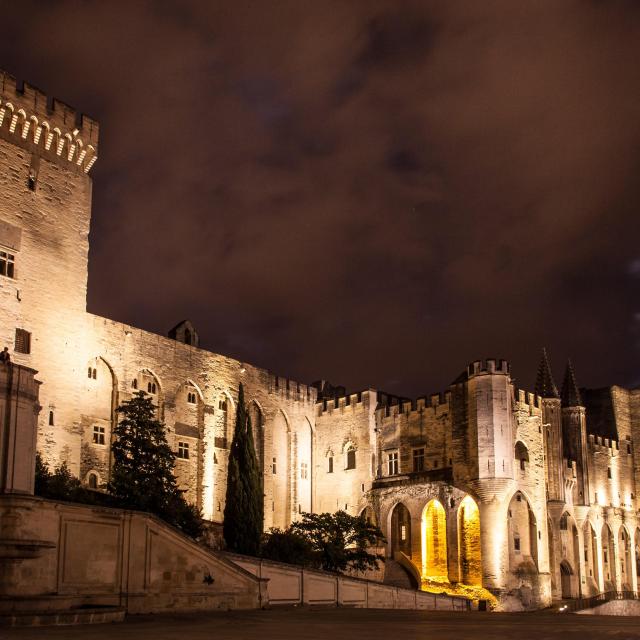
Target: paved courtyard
point(346, 624)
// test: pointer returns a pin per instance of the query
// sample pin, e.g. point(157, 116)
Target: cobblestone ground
point(346, 624)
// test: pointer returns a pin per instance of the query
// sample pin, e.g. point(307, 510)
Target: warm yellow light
point(434, 541)
point(470, 558)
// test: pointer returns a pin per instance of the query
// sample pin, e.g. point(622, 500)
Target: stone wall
point(58, 555)
point(290, 585)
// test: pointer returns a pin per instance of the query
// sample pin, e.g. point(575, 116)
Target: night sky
point(375, 193)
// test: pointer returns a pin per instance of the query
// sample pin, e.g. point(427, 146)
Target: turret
point(482, 447)
point(574, 433)
point(552, 428)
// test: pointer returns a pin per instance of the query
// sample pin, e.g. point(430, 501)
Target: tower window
point(98, 435)
point(7, 264)
point(273, 467)
point(609, 472)
point(92, 373)
point(418, 459)
point(222, 404)
point(191, 397)
point(183, 450)
point(330, 469)
point(351, 458)
point(516, 544)
point(151, 388)
point(50, 418)
point(134, 383)
point(23, 341)
point(392, 460)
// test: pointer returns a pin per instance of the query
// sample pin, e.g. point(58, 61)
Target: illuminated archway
point(469, 554)
point(434, 541)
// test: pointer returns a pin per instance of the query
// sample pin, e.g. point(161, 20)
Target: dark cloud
point(375, 193)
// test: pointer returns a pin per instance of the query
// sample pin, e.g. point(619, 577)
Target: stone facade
point(531, 496)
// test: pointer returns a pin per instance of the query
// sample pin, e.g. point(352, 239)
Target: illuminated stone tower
point(46, 152)
point(483, 457)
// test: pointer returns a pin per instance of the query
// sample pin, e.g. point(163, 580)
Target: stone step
point(396, 575)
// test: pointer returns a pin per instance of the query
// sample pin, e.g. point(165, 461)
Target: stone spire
point(570, 393)
point(545, 384)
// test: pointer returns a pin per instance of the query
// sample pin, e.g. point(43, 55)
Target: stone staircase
point(396, 575)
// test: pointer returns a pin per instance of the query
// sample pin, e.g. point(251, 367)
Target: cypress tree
point(142, 475)
point(243, 510)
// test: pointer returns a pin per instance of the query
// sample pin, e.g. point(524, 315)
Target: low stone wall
point(56, 556)
point(292, 585)
point(615, 608)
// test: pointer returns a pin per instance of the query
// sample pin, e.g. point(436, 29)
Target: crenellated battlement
point(291, 389)
point(488, 366)
point(31, 117)
point(526, 399)
point(358, 400)
point(597, 443)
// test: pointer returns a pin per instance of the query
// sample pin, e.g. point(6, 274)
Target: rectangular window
point(393, 463)
point(330, 465)
point(7, 264)
point(98, 435)
point(516, 544)
point(23, 341)
point(418, 459)
point(273, 467)
point(303, 470)
point(183, 450)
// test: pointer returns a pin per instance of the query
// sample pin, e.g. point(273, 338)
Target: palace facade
point(531, 495)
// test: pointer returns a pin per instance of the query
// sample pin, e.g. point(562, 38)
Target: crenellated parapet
point(488, 366)
point(527, 401)
point(32, 119)
point(292, 390)
point(359, 400)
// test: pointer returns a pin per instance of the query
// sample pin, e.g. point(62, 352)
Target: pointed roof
point(570, 394)
point(545, 384)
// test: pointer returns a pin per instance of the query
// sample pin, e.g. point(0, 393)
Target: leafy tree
point(142, 475)
point(60, 484)
point(243, 510)
point(287, 546)
point(340, 541)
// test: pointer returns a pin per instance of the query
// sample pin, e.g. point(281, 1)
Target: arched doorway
point(566, 574)
point(401, 530)
point(434, 541)
point(469, 555)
